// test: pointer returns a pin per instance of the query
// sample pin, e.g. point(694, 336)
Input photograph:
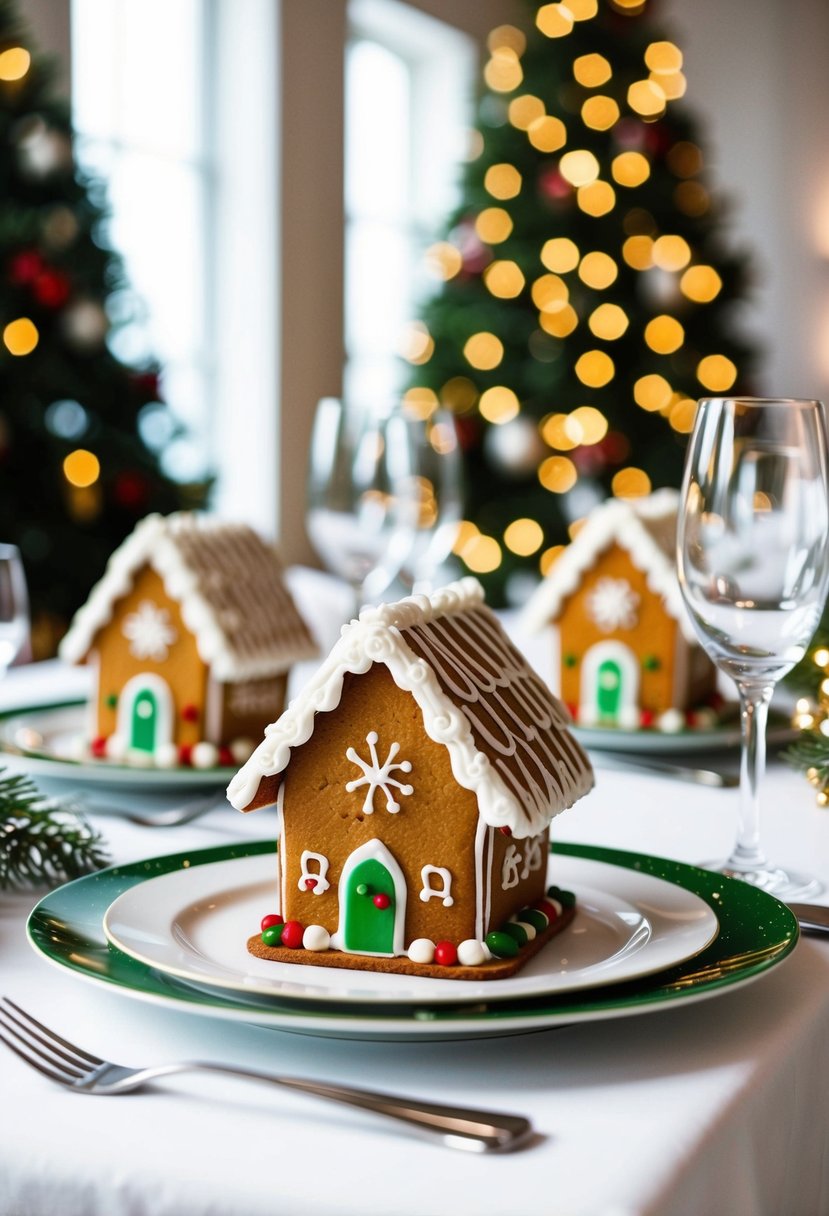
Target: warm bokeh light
point(598, 270)
point(498, 404)
point(647, 98)
point(443, 260)
point(504, 279)
point(484, 351)
point(493, 225)
point(579, 167)
point(599, 112)
point(582, 10)
point(700, 284)
point(420, 402)
point(554, 20)
point(548, 558)
point(630, 169)
point(652, 393)
point(631, 483)
point(716, 373)
point(547, 134)
point(503, 72)
point(81, 468)
point(506, 37)
point(561, 323)
point(553, 430)
point(502, 181)
point(671, 252)
point(416, 343)
point(14, 63)
point(459, 394)
point(557, 474)
point(525, 109)
point(560, 254)
point(638, 252)
point(663, 57)
point(673, 86)
point(681, 414)
point(482, 554)
point(664, 334)
point(596, 199)
point(20, 336)
point(585, 426)
point(550, 293)
point(684, 159)
point(592, 70)
point(523, 537)
point(594, 368)
point(608, 322)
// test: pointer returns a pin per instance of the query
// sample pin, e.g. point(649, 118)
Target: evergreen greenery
point(42, 841)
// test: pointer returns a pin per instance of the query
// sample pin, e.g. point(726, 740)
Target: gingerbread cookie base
point(493, 969)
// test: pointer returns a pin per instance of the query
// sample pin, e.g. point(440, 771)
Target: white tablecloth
point(721, 1107)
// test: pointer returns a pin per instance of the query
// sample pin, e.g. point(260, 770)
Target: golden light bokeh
point(498, 404)
point(631, 483)
point(598, 270)
point(504, 279)
point(502, 181)
point(493, 225)
point(506, 37)
point(560, 254)
point(647, 98)
point(630, 169)
point(548, 558)
point(600, 112)
point(523, 537)
point(561, 323)
point(466, 532)
point(482, 554)
point(583, 10)
point(681, 414)
point(585, 426)
point(553, 430)
point(420, 402)
point(503, 72)
point(554, 20)
point(701, 284)
point(579, 167)
point(664, 334)
point(638, 252)
point(443, 260)
point(596, 199)
point(716, 373)
point(595, 368)
point(663, 57)
point(20, 337)
point(547, 134)
point(673, 86)
point(14, 63)
point(416, 343)
point(525, 109)
point(557, 474)
point(459, 394)
point(671, 252)
point(652, 393)
point(592, 70)
point(81, 468)
point(550, 293)
point(608, 322)
point(483, 351)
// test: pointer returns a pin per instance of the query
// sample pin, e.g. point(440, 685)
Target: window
point(408, 93)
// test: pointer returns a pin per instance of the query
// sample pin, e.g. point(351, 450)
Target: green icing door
point(144, 723)
point(609, 689)
point(369, 928)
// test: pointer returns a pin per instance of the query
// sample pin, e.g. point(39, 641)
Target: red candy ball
point(446, 953)
point(98, 747)
point(226, 757)
point(185, 753)
point(381, 900)
point(549, 910)
point(292, 934)
point(190, 713)
point(267, 921)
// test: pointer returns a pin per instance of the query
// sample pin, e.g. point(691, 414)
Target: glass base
point(783, 884)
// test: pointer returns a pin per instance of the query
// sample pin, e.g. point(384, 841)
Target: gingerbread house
point(191, 634)
point(624, 650)
point(415, 778)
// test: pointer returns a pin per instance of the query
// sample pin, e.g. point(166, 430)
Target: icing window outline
point(441, 892)
point(509, 868)
point(317, 876)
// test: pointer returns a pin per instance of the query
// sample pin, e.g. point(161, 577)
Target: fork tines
point(29, 1037)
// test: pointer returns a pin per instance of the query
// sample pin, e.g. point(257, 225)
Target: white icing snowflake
point(149, 632)
point(378, 776)
point(612, 604)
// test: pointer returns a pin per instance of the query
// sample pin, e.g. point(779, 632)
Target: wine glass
point(361, 512)
point(436, 456)
point(753, 560)
point(14, 607)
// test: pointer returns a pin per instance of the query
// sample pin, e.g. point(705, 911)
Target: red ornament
point(551, 185)
point(544, 905)
point(189, 713)
point(185, 753)
point(446, 954)
point(310, 883)
point(381, 901)
point(267, 921)
point(147, 386)
point(646, 717)
point(51, 288)
point(226, 757)
point(98, 747)
point(130, 491)
point(25, 266)
point(292, 934)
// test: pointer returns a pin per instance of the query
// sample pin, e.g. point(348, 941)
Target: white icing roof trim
point(376, 638)
point(153, 542)
point(617, 520)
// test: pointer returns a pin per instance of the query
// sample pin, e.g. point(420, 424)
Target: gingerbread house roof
point(228, 584)
point(506, 733)
point(646, 528)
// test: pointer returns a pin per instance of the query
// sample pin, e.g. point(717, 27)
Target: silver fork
point(454, 1126)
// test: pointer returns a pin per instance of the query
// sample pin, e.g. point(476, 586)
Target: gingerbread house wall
point(437, 825)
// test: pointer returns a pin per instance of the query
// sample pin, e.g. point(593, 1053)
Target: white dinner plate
point(723, 737)
point(194, 923)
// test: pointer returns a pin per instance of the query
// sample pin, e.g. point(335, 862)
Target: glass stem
point(754, 711)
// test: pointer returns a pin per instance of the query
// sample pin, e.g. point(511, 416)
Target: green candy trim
point(272, 936)
point(502, 945)
point(567, 899)
point(517, 932)
point(532, 916)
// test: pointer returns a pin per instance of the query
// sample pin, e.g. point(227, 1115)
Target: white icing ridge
point(624, 521)
point(477, 696)
point(177, 548)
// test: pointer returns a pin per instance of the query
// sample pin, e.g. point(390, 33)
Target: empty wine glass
point(360, 510)
point(436, 456)
point(14, 607)
point(753, 559)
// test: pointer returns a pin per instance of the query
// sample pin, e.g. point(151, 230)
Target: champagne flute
point(436, 455)
point(14, 607)
point(361, 512)
point(753, 561)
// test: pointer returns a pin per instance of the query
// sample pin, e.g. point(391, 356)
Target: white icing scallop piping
point(376, 637)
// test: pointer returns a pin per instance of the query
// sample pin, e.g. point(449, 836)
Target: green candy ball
point(272, 936)
point(567, 899)
point(533, 917)
point(517, 932)
point(501, 944)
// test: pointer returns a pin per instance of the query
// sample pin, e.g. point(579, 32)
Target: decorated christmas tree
point(75, 471)
point(587, 291)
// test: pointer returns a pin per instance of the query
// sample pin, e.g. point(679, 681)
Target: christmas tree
point(75, 472)
point(587, 293)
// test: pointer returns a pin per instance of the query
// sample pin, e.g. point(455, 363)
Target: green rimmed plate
point(756, 933)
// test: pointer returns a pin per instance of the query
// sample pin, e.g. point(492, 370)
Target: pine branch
point(43, 841)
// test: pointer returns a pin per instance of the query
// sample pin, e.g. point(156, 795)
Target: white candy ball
point(316, 937)
point(422, 950)
point(671, 721)
point(166, 756)
point(471, 953)
point(526, 926)
point(138, 758)
point(204, 755)
point(240, 749)
point(116, 747)
point(629, 717)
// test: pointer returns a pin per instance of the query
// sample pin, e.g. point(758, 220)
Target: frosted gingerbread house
point(415, 778)
point(624, 651)
point(191, 634)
